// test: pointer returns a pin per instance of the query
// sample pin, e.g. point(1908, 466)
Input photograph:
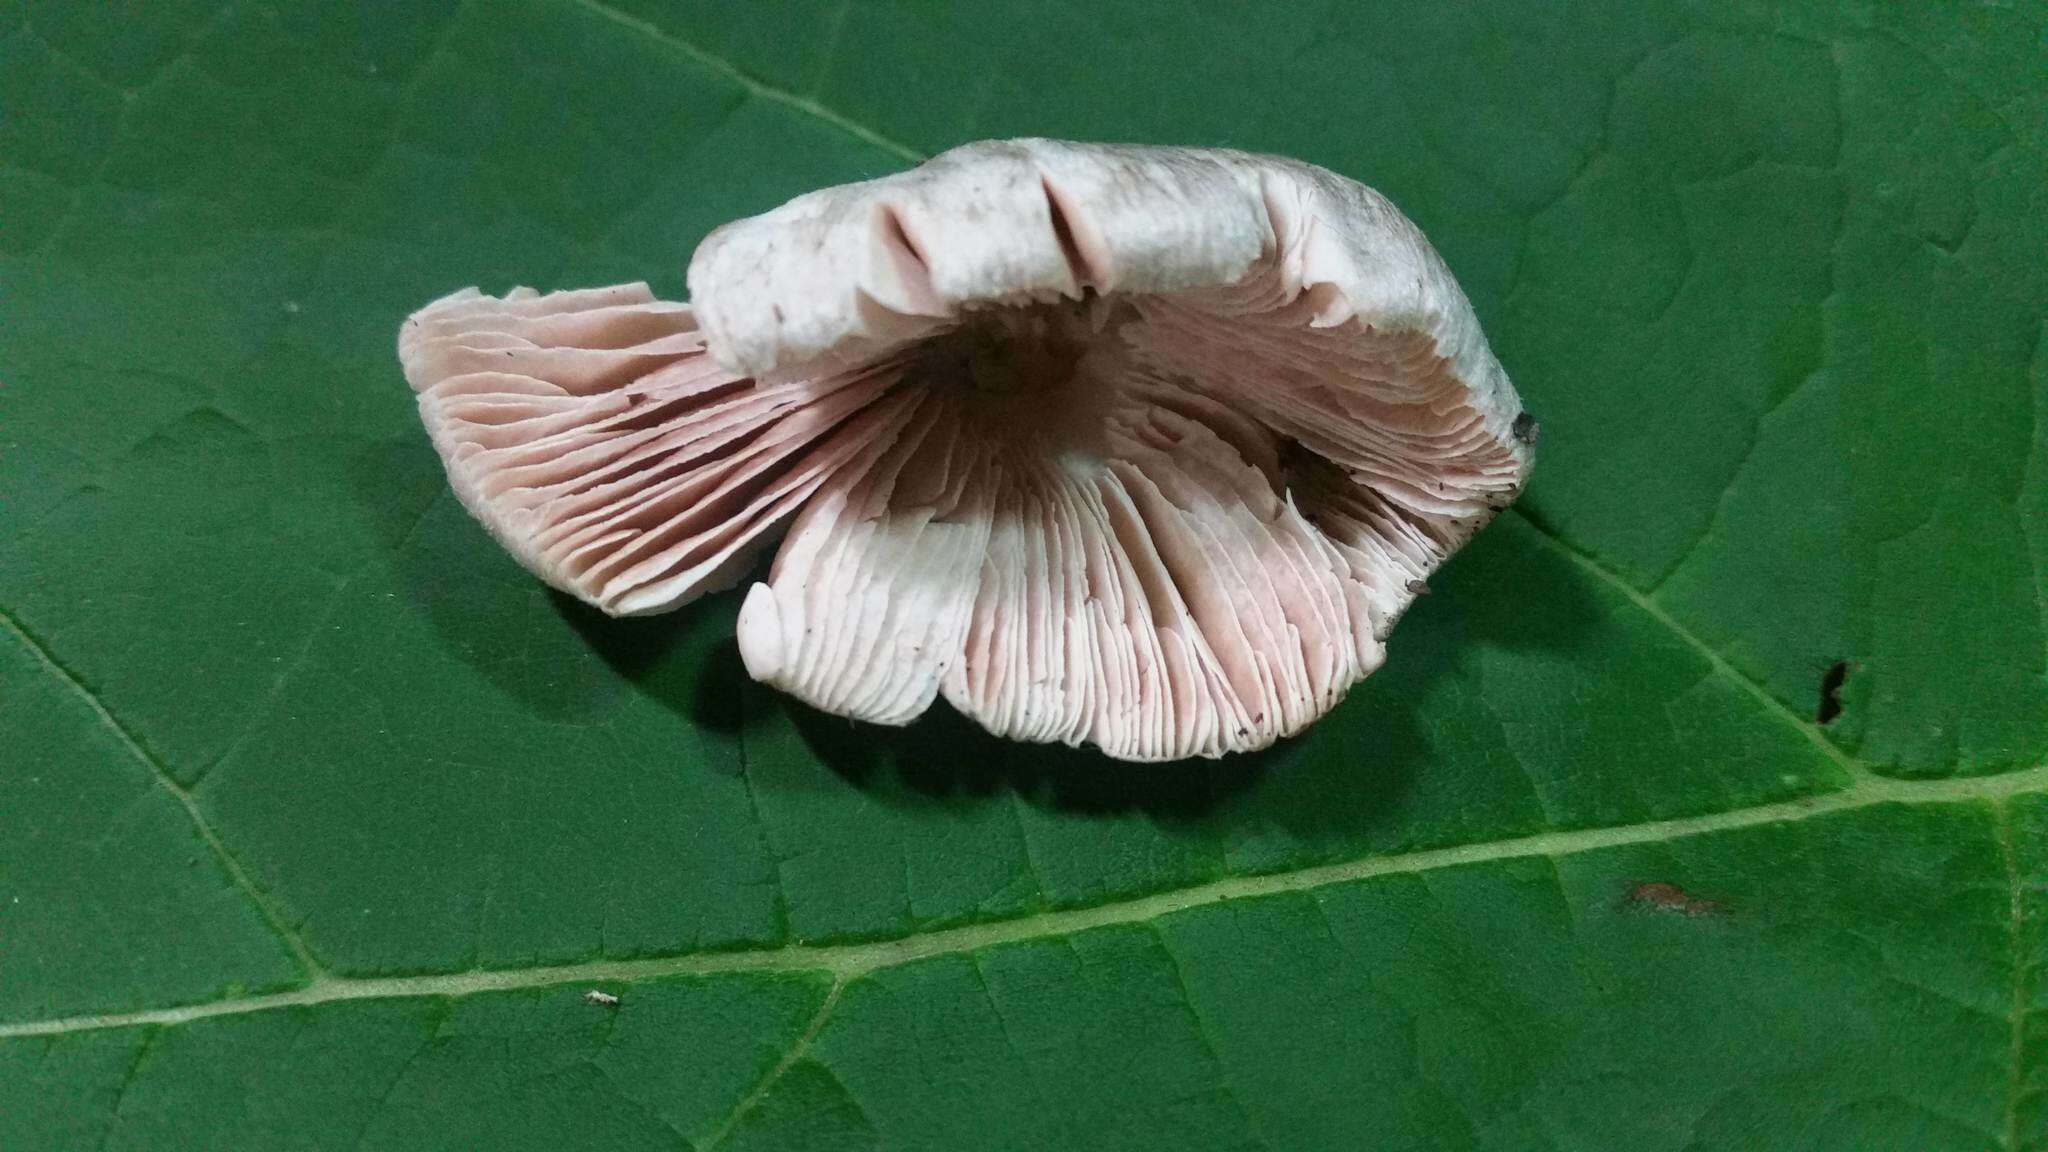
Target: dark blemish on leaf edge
point(1526, 429)
point(1831, 693)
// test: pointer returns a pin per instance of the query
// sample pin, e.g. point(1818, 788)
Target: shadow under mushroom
point(1507, 590)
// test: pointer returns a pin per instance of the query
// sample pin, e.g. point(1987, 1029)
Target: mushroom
point(1140, 447)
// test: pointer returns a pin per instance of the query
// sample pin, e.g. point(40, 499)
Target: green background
point(318, 817)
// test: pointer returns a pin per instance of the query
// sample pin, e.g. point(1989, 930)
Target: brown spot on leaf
point(1664, 897)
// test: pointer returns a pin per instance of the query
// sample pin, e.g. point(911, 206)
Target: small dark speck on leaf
point(1831, 692)
point(1663, 897)
point(601, 998)
point(1418, 588)
point(1526, 429)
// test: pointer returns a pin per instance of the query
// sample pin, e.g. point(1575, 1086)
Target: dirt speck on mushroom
point(1141, 448)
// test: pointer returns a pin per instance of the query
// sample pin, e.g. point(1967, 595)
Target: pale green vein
point(1207, 1035)
point(1854, 768)
point(754, 87)
point(169, 783)
point(831, 52)
point(849, 961)
point(131, 99)
point(127, 1082)
point(260, 710)
point(2030, 482)
point(796, 1052)
point(769, 854)
point(2016, 1044)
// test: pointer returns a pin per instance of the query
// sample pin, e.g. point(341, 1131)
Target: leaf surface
point(321, 818)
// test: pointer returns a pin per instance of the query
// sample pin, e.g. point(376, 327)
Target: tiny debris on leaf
point(1526, 429)
point(1418, 588)
point(600, 998)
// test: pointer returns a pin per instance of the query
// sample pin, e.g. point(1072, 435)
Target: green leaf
point(321, 818)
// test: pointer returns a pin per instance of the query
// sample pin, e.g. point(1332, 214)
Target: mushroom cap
point(1141, 447)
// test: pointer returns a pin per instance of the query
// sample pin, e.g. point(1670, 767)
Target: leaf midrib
point(850, 961)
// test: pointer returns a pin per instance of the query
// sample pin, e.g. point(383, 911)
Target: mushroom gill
point(1140, 447)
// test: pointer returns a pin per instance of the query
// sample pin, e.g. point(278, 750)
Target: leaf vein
point(847, 961)
point(796, 1052)
point(1851, 767)
point(2022, 979)
point(1207, 1036)
point(754, 86)
point(265, 907)
point(127, 1081)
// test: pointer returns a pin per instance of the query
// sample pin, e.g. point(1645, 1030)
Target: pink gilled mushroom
point(1140, 447)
